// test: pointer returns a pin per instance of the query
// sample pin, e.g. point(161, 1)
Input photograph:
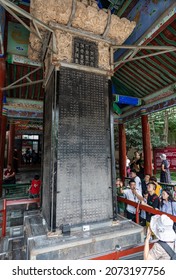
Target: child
point(34, 189)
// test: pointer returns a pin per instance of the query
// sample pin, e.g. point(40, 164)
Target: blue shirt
point(169, 207)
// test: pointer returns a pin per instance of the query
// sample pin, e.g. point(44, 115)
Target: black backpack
point(168, 249)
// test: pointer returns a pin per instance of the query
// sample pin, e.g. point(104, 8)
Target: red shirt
point(35, 186)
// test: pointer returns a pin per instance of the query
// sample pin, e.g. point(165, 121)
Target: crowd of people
point(145, 189)
point(137, 163)
point(30, 156)
point(148, 192)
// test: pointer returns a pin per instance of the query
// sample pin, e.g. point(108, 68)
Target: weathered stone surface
point(99, 240)
point(35, 46)
point(64, 46)
point(104, 55)
point(120, 29)
point(88, 17)
point(51, 10)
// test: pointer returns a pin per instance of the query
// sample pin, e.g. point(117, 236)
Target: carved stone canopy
point(84, 17)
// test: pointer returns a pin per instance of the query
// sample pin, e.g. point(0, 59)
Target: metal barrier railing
point(7, 203)
point(139, 207)
point(3, 222)
point(118, 254)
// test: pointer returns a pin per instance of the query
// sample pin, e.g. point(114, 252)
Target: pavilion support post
point(2, 147)
point(122, 151)
point(2, 82)
point(3, 122)
point(146, 143)
point(11, 141)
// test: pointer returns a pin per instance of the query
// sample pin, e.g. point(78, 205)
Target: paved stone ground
point(25, 175)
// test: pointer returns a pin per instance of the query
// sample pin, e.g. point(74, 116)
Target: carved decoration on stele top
point(87, 18)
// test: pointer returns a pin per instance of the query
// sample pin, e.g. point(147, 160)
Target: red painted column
point(122, 151)
point(2, 82)
point(11, 142)
point(146, 143)
point(2, 147)
point(3, 122)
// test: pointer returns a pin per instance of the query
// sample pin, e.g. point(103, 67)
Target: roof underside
point(138, 78)
point(142, 77)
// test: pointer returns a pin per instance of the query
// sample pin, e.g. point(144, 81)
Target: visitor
point(28, 156)
point(9, 176)
point(130, 194)
point(167, 205)
point(162, 228)
point(34, 157)
point(145, 182)
point(165, 172)
point(152, 201)
point(34, 189)
point(133, 164)
point(158, 188)
point(174, 193)
point(140, 164)
point(128, 166)
point(15, 160)
point(143, 212)
point(133, 175)
point(120, 205)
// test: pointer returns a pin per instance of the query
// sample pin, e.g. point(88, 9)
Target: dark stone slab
point(77, 173)
point(84, 242)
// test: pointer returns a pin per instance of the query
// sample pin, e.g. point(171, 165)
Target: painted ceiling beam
point(15, 84)
point(157, 97)
point(123, 99)
point(116, 109)
point(156, 27)
point(126, 4)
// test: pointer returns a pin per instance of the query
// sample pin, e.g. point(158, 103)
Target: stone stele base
point(84, 242)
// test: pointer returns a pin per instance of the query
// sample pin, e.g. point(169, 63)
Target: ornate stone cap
point(82, 15)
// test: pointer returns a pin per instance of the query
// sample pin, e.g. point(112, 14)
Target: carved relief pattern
point(104, 56)
point(88, 17)
point(120, 29)
point(64, 46)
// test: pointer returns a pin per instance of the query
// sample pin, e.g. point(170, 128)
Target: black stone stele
point(77, 183)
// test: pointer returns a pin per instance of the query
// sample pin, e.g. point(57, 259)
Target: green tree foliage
point(162, 124)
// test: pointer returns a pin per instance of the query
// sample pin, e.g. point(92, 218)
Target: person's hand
point(149, 233)
point(134, 191)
